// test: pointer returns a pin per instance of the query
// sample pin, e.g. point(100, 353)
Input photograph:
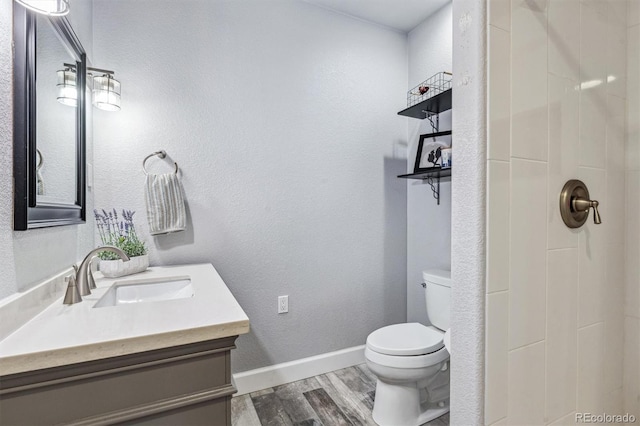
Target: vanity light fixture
point(67, 93)
point(106, 91)
point(46, 7)
point(104, 87)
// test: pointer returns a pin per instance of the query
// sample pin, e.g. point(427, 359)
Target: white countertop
point(68, 334)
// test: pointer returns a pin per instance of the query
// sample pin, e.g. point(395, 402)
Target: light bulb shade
point(106, 93)
point(47, 7)
point(67, 91)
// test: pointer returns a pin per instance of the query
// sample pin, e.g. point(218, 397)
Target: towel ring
point(39, 157)
point(161, 154)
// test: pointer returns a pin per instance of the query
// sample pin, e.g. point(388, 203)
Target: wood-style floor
point(342, 397)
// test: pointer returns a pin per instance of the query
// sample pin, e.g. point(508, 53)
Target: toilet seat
point(410, 345)
point(408, 339)
point(411, 361)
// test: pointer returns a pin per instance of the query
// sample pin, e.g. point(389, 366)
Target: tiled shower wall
point(557, 110)
point(632, 290)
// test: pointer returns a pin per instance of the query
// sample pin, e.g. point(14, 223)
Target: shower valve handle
point(575, 203)
point(582, 205)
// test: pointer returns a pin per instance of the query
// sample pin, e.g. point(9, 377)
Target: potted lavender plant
point(122, 234)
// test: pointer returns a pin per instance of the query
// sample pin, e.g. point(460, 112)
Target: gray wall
point(282, 117)
point(28, 257)
point(428, 224)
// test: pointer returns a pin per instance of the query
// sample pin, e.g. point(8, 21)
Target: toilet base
point(398, 404)
point(433, 413)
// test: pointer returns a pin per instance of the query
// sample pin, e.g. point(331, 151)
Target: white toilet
point(411, 362)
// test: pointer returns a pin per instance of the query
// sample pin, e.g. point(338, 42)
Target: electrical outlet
point(283, 304)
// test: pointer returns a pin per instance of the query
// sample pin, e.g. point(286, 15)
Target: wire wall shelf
point(432, 96)
point(434, 85)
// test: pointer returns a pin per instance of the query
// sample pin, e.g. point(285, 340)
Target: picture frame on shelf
point(429, 150)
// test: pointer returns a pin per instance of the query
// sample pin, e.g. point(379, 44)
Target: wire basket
point(429, 88)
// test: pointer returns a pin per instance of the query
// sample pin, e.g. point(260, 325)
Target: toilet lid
point(405, 339)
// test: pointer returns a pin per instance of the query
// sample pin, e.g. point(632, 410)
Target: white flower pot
point(119, 268)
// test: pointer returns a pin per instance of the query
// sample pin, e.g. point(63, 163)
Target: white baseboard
point(287, 372)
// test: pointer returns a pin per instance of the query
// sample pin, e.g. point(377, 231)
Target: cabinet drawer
point(213, 413)
point(69, 393)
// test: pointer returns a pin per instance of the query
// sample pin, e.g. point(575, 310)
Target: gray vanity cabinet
point(181, 385)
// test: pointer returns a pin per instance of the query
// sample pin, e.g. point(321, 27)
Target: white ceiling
point(402, 15)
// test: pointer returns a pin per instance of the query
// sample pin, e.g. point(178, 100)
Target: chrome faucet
point(82, 276)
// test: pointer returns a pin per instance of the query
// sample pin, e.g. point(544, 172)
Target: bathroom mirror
point(49, 136)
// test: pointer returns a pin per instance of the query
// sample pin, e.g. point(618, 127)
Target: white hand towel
point(165, 204)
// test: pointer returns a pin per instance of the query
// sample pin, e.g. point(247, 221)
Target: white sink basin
point(146, 290)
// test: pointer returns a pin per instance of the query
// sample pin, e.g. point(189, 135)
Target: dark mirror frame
point(28, 213)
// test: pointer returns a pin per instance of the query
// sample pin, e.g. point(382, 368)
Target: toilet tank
point(438, 296)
